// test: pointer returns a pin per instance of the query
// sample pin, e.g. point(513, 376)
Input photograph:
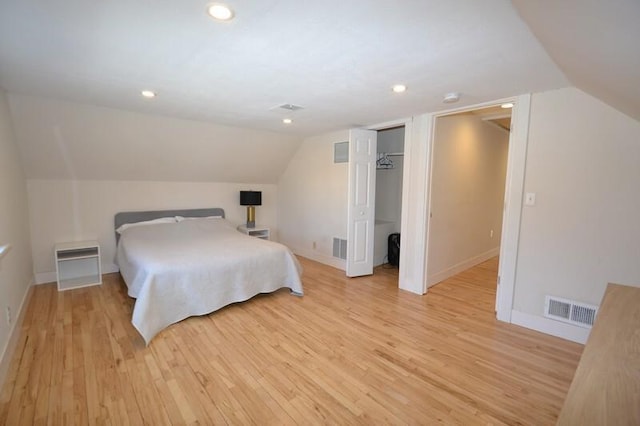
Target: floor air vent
point(340, 248)
point(569, 311)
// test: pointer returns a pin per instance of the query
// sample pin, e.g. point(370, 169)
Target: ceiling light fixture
point(220, 11)
point(399, 88)
point(148, 94)
point(507, 105)
point(450, 98)
point(287, 120)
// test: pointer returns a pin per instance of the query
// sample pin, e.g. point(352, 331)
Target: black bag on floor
point(394, 249)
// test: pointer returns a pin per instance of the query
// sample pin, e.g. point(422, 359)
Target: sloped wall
point(65, 140)
point(84, 163)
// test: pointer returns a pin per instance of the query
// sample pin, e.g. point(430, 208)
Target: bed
point(183, 263)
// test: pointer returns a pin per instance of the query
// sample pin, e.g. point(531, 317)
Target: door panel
point(360, 242)
point(362, 185)
point(361, 204)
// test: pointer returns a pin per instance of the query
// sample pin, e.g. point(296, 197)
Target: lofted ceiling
point(68, 140)
point(595, 43)
point(337, 59)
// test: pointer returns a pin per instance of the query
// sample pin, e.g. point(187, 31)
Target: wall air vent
point(340, 248)
point(569, 311)
point(341, 152)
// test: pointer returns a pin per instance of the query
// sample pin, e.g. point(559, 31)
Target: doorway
point(361, 205)
point(416, 198)
point(468, 175)
point(388, 200)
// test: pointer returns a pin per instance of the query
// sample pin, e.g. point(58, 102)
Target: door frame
point(513, 199)
point(404, 250)
point(416, 198)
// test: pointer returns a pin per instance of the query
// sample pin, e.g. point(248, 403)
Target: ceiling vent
point(289, 107)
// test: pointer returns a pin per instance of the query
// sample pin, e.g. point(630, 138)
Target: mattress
point(197, 266)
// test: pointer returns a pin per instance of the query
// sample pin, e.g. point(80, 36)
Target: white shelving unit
point(258, 232)
point(78, 264)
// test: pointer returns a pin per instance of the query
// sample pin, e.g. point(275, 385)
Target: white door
point(362, 203)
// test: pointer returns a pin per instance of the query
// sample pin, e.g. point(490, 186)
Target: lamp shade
point(250, 198)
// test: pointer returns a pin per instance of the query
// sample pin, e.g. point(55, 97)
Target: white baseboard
point(462, 266)
point(51, 277)
point(549, 326)
point(8, 350)
point(110, 268)
point(46, 277)
point(318, 257)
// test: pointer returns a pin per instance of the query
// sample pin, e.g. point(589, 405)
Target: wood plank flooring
point(351, 351)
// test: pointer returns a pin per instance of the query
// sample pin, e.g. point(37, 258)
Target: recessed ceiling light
point(148, 94)
point(220, 11)
point(287, 120)
point(507, 105)
point(399, 88)
point(450, 98)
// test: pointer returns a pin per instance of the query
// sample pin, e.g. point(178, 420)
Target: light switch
point(530, 199)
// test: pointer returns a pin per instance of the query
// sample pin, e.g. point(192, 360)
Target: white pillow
point(181, 218)
point(126, 226)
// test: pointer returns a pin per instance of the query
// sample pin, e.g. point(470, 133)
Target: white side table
point(78, 264)
point(258, 232)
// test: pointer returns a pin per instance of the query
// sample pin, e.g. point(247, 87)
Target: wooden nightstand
point(258, 231)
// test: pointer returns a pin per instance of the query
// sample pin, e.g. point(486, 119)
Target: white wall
point(313, 197)
point(68, 210)
point(389, 193)
point(15, 267)
point(391, 140)
point(389, 182)
point(583, 163)
point(66, 140)
point(467, 198)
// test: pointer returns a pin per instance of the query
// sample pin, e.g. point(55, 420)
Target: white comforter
point(194, 267)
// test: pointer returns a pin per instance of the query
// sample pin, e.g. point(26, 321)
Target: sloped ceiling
point(68, 140)
point(75, 69)
point(595, 43)
point(337, 59)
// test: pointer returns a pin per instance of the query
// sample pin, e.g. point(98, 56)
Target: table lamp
point(251, 199)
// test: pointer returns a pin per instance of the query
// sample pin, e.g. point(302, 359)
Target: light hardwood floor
point(351, 351)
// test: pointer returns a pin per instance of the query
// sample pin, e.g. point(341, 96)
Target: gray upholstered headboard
point(133, 217)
